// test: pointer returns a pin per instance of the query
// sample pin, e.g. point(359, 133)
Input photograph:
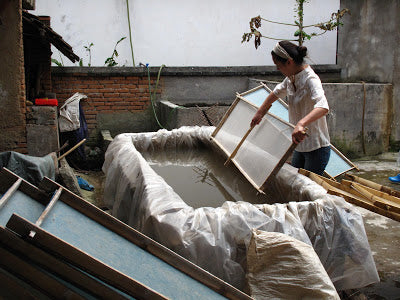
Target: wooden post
point(72, 149)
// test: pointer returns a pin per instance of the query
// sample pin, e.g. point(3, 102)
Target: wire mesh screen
point(263, 149)
point(338, 163)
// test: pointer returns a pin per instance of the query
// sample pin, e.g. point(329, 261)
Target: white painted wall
point(183, 32)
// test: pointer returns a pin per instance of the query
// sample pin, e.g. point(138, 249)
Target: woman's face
point(284, 68)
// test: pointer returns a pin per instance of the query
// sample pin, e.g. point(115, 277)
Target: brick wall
point(107, 93)
point(12, 81)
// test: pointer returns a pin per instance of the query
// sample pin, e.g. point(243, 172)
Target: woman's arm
point(299, 131)
point(263, 109)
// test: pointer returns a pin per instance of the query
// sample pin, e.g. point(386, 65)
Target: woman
point(307, 107)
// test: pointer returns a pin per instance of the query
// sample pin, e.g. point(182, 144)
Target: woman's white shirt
point(305, 94)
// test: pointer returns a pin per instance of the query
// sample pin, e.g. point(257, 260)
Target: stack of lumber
point(56, 245)
point(362, 192)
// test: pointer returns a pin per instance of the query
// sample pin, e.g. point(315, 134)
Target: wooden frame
point(31, 256)
point(56, 266)
point(33, 275)
point(232, 154)
point(57, 247)
point(60, 248)
point(333, 148)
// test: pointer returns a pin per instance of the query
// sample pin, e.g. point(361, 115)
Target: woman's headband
point(281, 52)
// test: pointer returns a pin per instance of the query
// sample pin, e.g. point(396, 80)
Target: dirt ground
point(383, 233)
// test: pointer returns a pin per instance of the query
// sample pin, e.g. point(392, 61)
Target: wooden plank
point(350, 195)
point(35, 276)
point(367, 205)
point(373, 185)
point(8, 178)
point(10, 192)
point(49, 206)
point(279, 165)
point(12, 287)
point(238, 166)
point(72, 149)
point(74, 256)
point(378, 201)
point(375, 192)
point(145, 242)
point(233, 154)
point(226, 115)
point(22, 248)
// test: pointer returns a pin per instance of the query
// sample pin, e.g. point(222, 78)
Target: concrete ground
point(383, 233)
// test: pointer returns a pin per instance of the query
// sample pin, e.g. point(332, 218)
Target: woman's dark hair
point(296, 52)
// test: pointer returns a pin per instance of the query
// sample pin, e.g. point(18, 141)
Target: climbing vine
point(300, 34)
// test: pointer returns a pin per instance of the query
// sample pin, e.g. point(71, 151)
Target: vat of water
point(215, 233)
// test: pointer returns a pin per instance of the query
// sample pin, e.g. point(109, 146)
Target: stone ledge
point(184, 71)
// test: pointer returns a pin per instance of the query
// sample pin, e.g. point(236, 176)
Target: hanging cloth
point(69, 113)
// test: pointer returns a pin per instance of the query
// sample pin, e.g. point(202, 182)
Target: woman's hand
point(298, 134)
point(263, 109)
point(256, 119)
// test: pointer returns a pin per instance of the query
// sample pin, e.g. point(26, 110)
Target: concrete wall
point(359, 124)
point(42, 130)
point(12, 82)
point(119, 101)
point(368, 47)
point(209, 85)
point(184, 33)
point(359, 119)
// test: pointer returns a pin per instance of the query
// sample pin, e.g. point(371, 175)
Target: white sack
point(281, 267)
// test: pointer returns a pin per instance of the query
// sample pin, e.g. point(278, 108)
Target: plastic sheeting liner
point(216, 239)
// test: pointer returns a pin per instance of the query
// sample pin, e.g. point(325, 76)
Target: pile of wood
point(362, 192)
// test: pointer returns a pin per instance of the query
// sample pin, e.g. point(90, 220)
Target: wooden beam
point(279, 165)
point(53, 265)
point(233, 154)
point(10, 192)
point(82, 260)
point(226, 115)
point(372, 191)
point(35, 276)
point(350, 195)
point(373, 185)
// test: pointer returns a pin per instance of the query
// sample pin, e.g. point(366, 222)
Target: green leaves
point(110, 61)
point(300, 34)
point(53, 60)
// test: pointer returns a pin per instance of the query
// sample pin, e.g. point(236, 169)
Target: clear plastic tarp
point(217, 239)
